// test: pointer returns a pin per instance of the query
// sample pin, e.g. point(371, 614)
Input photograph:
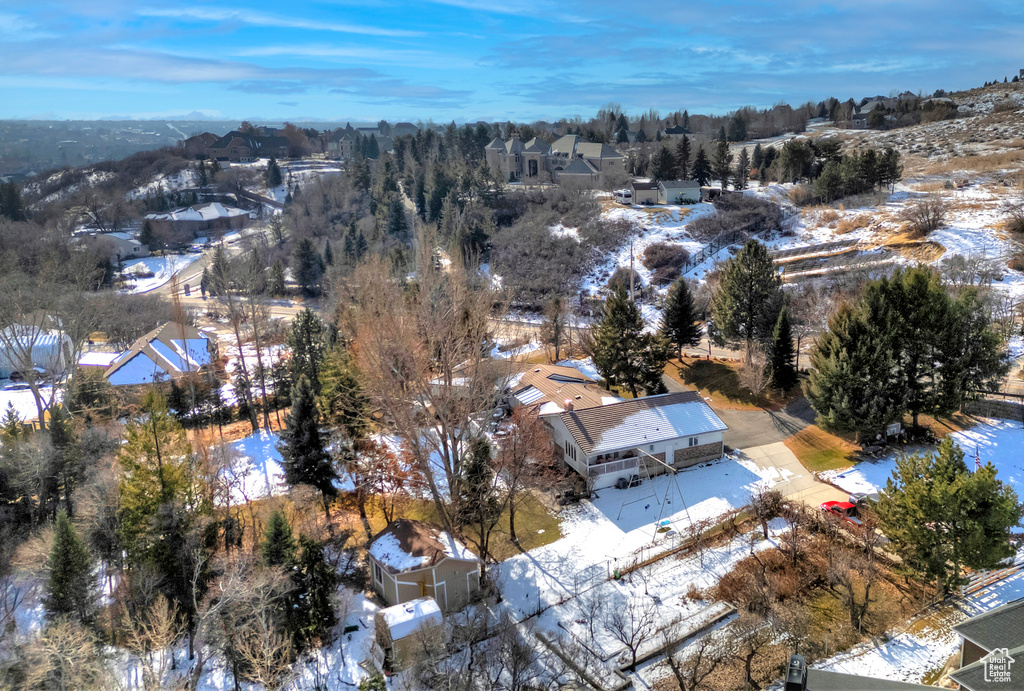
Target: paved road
point(796, 481)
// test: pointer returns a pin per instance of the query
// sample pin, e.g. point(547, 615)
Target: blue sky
point(473, 59)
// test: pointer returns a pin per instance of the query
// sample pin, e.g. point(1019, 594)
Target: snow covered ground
point(609, 531)
point(23, 401)
point(163, 269)
point(257, 469)
point(270, 356)
point(999, 442)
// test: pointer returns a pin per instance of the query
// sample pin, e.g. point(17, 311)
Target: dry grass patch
point(943, 427)
point(927, 251)
point(850, 224)
point(976, 163)
point(721, 382)
point(819, 450)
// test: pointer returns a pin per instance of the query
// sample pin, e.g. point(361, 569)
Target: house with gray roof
point(538, 161)
point(678, 191)
point(610, 441)
point(992, 649)
point(168, 352)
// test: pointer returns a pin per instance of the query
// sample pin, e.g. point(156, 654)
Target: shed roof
point(1002, 627)
point(679, 184)
point(403, 620)
point(641, 185)
point(406, 545)
point(641, 421)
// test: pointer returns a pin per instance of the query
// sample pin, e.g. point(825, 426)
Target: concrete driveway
point(797, 482)
point(748, 428)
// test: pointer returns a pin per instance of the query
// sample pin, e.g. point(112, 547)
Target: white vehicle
point(624, 197)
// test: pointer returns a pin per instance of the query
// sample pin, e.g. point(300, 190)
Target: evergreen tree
point(737, 128)
point(360, 173)
point(147, 237)
point(11, 206)
point(622, 136)
point(309, 267)
point(701, 167)
point(315, 583)
point(361, 246)
point(343, 401)
point(749, 296)
point(274, 178)
point(478, 502)
point(12, 427)
point(721, 164)
point(683, 158)
point(373, 148)
point(679, 321)
point(328, 254)
point(278, 546)
point(721, 134)
point(758, 157)
point(308, 342)
point(663, 167)
point(781, 354)
point(742, 169)
point(71, 586)
point(305, 461)
point(942, 518)
point(625, 355)
point(277, 285)
point(66, 466)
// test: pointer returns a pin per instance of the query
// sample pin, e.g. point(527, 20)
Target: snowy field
point(999, 442)
point(23, 401)
point(609, 531)
point(163, 269)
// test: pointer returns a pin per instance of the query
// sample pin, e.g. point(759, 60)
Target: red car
point(844, 510)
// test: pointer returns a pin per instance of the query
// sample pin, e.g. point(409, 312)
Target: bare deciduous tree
point(632, 625)
point(151, 637)
point(766, 504)
point(926, 214)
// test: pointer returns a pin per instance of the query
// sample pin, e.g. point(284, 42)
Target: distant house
point(341, 146)
point(118, 246)
point(678, 191)
point(567, 158)
point(199, 145)
point(404, 128)
point(168, 352)
point(675, 132)
point(411, 559)
point(645, 192)
point(553, 389)
point(24, 346)
point(238, 147)
point(992, 649)
point(397, 629)
point(199, 220)
point(608, 442)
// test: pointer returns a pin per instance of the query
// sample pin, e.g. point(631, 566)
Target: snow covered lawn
point(999, 442)
point(23, 401)
point(257, 467)
point(605, 533)
point(163, 268)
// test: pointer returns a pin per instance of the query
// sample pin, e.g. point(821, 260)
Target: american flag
point(977, 457)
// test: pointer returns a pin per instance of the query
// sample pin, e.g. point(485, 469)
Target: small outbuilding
point(398, 629)
point(645, 192)
point(412, 559)
point(678, 192)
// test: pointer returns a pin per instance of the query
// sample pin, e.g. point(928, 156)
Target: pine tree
point(942, 518)
point(664, 165)
point(278, 546)
point(781, 354)
point(305, 461)
point(721, 165)
point(308, 342)
point(679, 319)
point(71, 587)
point(721, 134)
point(701, 167)
point(274, 178)
point(343, 401)
point(328, 254)
point(309, 267)
point(749, 296)
point(683, 158)
point(758, 157)
point(742, 169)
point(12, 428)
point(11, 205)
point(625, 355)
point(315, 583)
point(277, 285)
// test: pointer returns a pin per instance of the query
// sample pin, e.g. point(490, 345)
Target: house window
point(693, 441)
point(378, 575)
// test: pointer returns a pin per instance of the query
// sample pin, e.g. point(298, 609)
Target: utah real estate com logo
point(997, 666)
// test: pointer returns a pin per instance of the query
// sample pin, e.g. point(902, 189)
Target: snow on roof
point(403, 620)
point(407, 544)
point(550, 408)
point(206, 212)
point(97, 359)
point(641, 421)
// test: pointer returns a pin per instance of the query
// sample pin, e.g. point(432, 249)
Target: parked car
point(864, 498)
point(844, 510)
point(17, 386)
point(623, 483)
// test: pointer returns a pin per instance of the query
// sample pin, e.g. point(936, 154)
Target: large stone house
point(239, 147)
point(200, 220)
point(608, 442)
point(567, 158)
point(411, 559)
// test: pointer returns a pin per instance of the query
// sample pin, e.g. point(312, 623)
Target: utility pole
point(631, 272)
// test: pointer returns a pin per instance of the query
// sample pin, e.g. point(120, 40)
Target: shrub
point(621, 278)
point(737, 212)
point(926, 214)
point(801, 195)
point(848, 225)
point(1017, 262)
point(665, 260)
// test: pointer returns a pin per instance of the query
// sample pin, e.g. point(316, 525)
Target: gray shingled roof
point(495, 144)
point(514, 145)
point(536, 145)
point(1002, 627)
point(821, 680)
point(640, 185)
point(641, 421)
point(579, 167)
point(565, 144)
point(680, 184)
point(596, 150)
point(972, 677)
